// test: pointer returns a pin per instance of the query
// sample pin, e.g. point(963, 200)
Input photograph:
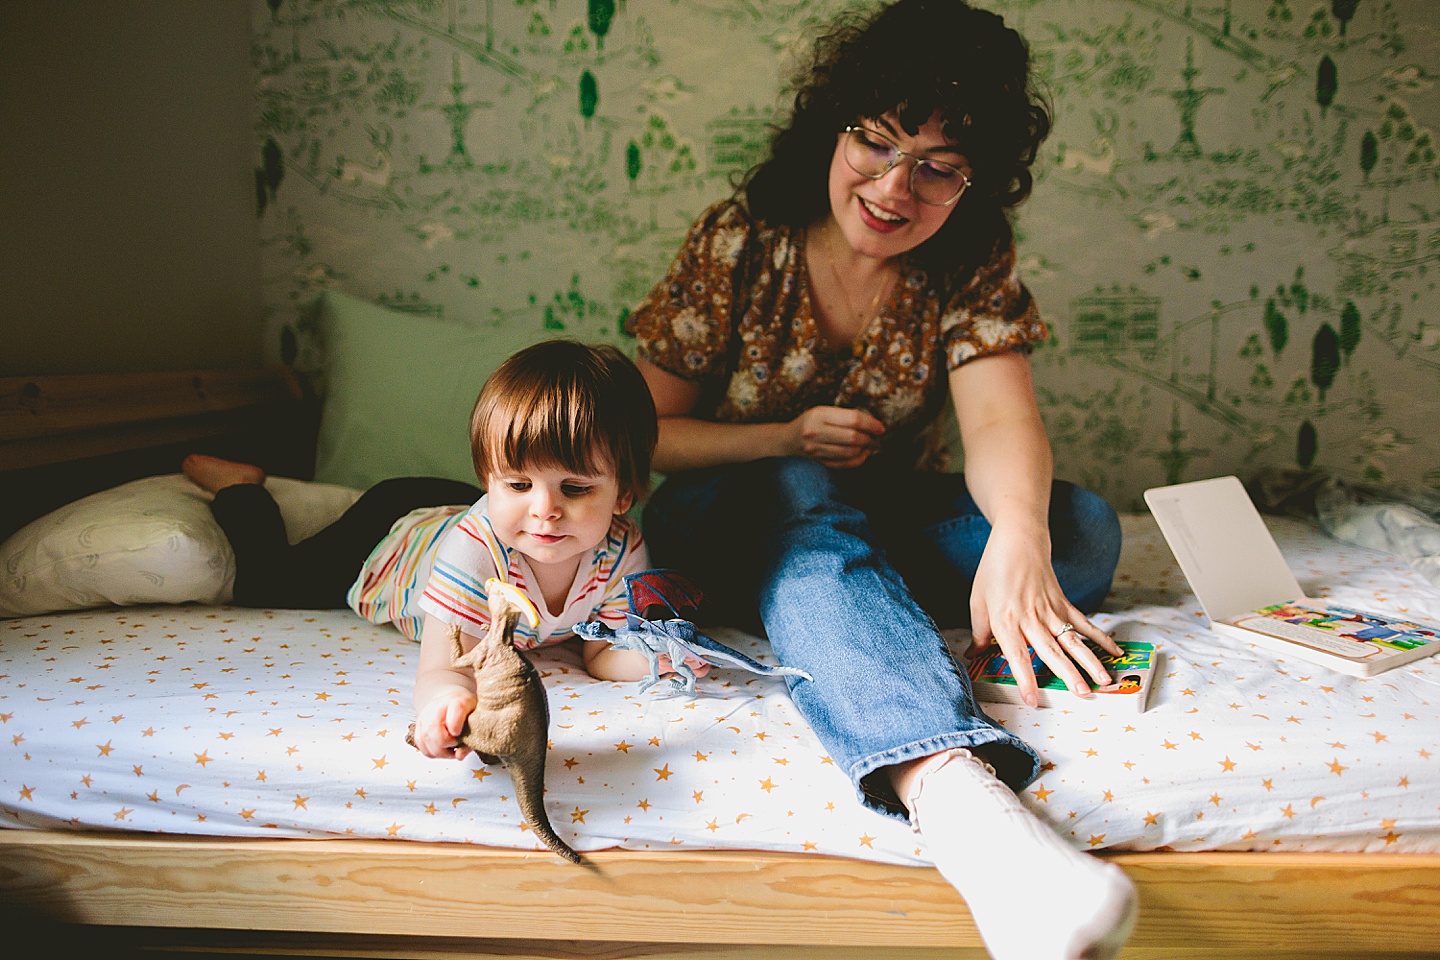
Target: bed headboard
point(67, 436)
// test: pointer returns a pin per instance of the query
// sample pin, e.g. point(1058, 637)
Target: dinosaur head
point(508, 604)
point(594, 630)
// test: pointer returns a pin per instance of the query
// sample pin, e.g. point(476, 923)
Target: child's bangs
point(536, 433)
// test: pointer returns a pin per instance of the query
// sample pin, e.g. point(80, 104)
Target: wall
point(129, 191)
point(1234, 232)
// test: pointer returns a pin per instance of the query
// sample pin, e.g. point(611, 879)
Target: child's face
point(553, 515)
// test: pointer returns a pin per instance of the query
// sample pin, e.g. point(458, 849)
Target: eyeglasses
point(873, 155)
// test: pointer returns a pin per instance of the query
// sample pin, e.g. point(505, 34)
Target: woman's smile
point(877, 217)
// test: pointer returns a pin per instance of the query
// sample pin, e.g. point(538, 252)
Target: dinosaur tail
point(716, 652)
point(530, 795)
point(769, 671)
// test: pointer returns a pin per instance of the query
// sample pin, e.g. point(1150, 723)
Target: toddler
point(561, 437)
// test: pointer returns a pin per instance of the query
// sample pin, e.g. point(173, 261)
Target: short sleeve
point(684, 325)
point(634, 557)
point(992, 313)
point(455, 592)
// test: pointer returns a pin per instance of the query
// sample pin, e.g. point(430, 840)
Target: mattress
point(231, 722)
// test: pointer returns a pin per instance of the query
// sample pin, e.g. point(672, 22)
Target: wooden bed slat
point(402, 888)
point(163, 943)
point(1211, 903)
point(191, 943)
point(43, 406)
point(54, 419)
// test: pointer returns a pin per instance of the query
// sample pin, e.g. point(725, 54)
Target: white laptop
point(1242, 582)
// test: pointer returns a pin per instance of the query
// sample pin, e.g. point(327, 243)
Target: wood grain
point(135, 944)
point(54, 419)
point(1220, 904)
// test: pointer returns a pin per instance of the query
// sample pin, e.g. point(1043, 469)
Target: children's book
point(1130, 674)
point(1241, 580)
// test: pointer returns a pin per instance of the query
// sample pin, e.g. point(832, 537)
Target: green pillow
point(399, 391)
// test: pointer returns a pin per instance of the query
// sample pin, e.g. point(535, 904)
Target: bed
point(202, 779)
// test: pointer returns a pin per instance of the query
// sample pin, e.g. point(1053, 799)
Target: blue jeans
point(847, 572)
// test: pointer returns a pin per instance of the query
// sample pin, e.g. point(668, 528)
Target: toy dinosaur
point(676, 637)
point(679, 639)
point(511, 720)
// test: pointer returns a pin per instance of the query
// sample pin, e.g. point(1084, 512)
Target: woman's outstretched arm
point(1016, 599)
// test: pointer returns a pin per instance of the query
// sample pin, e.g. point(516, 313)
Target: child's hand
point(439, 722)
point(697, 666)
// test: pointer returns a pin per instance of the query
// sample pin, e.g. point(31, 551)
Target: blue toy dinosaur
point(676, 637)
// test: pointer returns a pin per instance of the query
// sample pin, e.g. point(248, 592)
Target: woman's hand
point(439, 723)
point(838, 437)
point(1017, 602)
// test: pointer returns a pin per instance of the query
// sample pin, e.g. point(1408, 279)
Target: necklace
point(862, 318)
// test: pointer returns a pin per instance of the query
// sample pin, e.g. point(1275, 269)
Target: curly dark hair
point(912, 59)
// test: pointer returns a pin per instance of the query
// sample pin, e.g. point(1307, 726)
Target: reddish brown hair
point(566, 404)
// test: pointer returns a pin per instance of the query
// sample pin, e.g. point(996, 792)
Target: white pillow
point(147, 541)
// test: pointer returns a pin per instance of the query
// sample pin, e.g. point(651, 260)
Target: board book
point(1129, 687)
point(1242, 582)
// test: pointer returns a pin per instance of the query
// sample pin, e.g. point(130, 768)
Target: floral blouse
point(734, 313)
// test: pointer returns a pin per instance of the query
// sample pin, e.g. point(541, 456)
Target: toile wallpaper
point(1235, 231)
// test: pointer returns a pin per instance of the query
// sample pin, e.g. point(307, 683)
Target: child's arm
point(444, 695)
point(604, 662)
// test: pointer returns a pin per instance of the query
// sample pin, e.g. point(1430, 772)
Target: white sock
point(1033, 896)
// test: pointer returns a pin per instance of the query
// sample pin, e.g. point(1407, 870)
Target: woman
point(799, 353)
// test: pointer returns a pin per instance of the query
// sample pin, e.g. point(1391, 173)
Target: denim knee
point(727, 527)
point(1086, 540)
point(794, 483)
point(801, 505)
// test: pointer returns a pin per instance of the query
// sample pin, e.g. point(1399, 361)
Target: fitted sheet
point(232, 722)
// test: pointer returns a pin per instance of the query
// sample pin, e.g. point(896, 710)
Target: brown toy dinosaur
point(511, 720)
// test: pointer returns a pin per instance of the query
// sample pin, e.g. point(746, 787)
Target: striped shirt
point(436, 560)
point(394, 575)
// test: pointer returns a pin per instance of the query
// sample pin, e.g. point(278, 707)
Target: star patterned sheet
point(231, 722)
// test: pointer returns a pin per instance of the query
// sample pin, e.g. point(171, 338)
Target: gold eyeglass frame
point(966, 180)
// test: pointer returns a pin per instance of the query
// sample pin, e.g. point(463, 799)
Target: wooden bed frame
point(147, 895)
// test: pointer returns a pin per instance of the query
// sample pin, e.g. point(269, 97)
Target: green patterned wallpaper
point(1235, 231)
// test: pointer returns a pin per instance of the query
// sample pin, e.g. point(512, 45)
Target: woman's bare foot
point(214, 474)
